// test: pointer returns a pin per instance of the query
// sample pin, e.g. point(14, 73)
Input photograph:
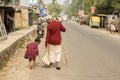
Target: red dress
point(32, 50)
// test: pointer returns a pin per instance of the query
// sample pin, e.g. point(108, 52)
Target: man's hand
point(46, 45)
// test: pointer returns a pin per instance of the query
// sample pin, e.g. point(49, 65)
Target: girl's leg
point(30, 63)
point(34, 61)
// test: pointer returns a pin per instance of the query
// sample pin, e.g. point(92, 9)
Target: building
point(23, 16)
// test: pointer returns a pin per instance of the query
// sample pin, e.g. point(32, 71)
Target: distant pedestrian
point(90, 21)
point(53, 41)
point(32, 52)
point(112, 25)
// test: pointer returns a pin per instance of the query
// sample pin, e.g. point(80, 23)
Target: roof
point(104, 15)
point(6, 7)
point(117, 12)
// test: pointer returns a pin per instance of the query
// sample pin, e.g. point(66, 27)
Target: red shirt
point(53, 35)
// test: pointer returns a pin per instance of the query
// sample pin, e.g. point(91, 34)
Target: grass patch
point(19, 28)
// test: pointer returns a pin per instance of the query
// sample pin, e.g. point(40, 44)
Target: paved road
point(93, 54)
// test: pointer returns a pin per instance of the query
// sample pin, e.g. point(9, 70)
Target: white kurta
point(55, 52)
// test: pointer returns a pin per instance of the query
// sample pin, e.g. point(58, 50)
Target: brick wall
point(21, 18)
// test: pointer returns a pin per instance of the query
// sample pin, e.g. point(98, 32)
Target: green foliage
point(108, 6)
point(88, 4)
point(116, 4)
point(102, 6)
point(75, 6)
point(55, 9)
point(104, 9)
point(11, 1)
point(117, 7)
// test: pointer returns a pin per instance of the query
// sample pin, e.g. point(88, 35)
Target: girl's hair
point(37, 40)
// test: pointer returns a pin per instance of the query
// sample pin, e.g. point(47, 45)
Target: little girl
point(32, 51)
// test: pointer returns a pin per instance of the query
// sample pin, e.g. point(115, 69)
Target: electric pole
point(83, 6)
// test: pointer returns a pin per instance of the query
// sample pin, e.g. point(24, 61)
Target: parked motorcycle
point(40, 30)
point(117, 26)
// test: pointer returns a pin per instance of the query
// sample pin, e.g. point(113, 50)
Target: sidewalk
point(17, 68)
point(13, 42)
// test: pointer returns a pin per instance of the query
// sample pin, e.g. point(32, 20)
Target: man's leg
point(58, 56)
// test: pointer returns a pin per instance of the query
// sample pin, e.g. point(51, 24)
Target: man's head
point(49, 18)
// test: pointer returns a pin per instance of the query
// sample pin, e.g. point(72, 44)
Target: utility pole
point(83, 6)
point(94, 3)
point(54, 1)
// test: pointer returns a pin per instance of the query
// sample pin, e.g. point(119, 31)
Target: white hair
point(49, 17)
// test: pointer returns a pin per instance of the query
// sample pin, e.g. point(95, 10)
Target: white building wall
point(28, 2)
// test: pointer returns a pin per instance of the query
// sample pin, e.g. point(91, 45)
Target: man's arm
point(63, 29)
point(47, 36)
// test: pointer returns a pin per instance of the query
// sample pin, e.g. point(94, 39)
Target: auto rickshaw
point(95, 21)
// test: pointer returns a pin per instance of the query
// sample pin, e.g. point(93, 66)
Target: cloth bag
point(45, 58)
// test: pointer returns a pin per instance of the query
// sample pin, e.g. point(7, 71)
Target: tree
point(75, 6)
point(6, 2)
point(88, 4)
point(116, 4)
point(54, 8)
point(67, 8)
point(104, 7)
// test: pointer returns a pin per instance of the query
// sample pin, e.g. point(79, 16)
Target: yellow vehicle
point(95, 21)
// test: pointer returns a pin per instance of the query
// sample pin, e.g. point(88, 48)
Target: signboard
point(42, 11)
point(80, 13)
point(92, 9)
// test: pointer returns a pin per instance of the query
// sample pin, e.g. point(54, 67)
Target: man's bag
point(45, 59)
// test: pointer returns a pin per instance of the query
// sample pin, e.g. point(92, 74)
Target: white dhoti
point(55, 52)
point(112, 27)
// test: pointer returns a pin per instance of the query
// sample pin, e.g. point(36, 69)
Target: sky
point(59, 1)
